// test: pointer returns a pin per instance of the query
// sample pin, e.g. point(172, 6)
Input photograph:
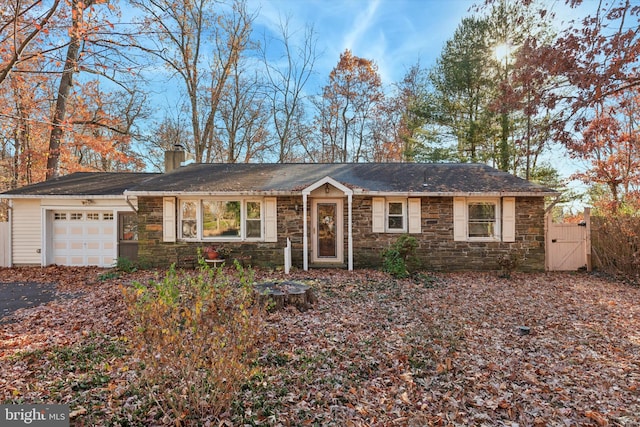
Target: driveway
point(16, 295)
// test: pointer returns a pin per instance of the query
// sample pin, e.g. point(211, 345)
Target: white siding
point(27, 232)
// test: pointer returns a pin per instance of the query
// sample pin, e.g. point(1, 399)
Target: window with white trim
point(396, 215)
point(221, 219)
point(484, 219)
point(188, 219)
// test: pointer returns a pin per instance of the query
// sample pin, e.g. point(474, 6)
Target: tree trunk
point(66, 82)
point(276, 295)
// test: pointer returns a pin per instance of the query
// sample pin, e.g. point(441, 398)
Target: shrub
point(615, 242)
point(195, 336)
point(396, 257)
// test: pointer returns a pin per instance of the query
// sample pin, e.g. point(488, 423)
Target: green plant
point(395, 258)
point(125, 265)
point(196, 335)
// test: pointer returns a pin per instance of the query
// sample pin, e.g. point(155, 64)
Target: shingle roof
point(431, 178)
point(426, 178)
point(84, 184)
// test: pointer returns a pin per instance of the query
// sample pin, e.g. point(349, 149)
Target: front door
point(327, 231)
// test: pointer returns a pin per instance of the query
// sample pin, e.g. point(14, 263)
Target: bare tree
point(287, 77)
point(202, 61)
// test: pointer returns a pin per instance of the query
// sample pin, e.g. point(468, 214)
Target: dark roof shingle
point(429, 178)
point(84, 184)
point(366, 177)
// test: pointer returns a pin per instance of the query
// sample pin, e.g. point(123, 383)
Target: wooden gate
point(568, 245)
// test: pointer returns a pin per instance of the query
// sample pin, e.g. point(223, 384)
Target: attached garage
point(82, 219)
point(82, 238)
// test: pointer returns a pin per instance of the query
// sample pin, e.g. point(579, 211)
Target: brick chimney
point(173, 158)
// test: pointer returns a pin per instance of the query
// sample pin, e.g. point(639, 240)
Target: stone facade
point(437, 250)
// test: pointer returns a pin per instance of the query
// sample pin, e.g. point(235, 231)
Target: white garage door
point(83, 238)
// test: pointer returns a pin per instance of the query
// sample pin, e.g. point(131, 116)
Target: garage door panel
point(83, 238)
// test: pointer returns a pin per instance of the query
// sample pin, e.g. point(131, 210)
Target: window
point(214, 219)
point(188, 219)
point(107, 216)
point(76, 216)
point(254, 220)
point(60, 216)
point(220, 218)
point(93, 216)
point(395, 216)
point(482, 219)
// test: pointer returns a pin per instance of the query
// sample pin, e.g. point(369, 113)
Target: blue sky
point(396, 34)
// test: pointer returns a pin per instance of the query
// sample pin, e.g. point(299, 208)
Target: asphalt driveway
point(16, 295)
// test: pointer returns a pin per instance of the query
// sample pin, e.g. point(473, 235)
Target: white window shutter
point(169, 219)
point(415, 215)
point(459, 219)
point(508, 219)
point(270, 219)
point(377, 214)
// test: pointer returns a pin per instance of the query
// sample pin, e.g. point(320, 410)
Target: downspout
point(305, 240)
point(133, 208)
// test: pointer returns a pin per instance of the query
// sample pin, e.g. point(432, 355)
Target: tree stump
point(277, 295)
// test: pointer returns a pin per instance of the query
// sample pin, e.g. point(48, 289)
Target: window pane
point(253, 210)
point(482, 211)
point(395, 208)
point(220, 218)
point(481, 229)
point(254, 229)
point(395, 222)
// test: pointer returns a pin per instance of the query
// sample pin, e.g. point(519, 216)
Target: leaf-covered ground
point(446, 349)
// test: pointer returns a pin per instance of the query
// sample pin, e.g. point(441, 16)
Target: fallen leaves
point(376, 351)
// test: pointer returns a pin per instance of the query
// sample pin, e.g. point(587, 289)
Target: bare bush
point(615, 242)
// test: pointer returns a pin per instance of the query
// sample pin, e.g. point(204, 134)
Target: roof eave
point(358, 192)
point(62, 196)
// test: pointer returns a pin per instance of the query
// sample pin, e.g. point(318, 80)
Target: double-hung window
point(396, 216)
point(484, 219)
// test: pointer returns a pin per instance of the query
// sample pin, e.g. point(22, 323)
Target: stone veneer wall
point(436, 248)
